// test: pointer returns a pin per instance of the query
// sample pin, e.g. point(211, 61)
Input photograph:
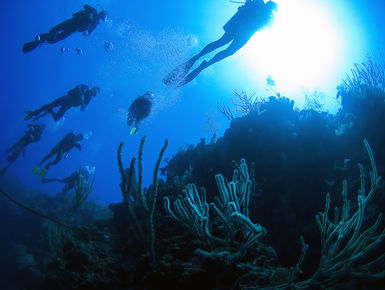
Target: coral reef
point(299, 162)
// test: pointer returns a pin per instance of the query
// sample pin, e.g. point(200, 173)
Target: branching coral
point(345, 244)
point(232, 209)
point(369, 74)
point(134, 197)
point(243, 105)
point(83, 189)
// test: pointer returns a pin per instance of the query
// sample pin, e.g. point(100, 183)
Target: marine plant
point(83, 189)
point(232, 209)
point(366, 79)
point(243, 105)
point(370, 73)
point(346, 243)
point(140, 201)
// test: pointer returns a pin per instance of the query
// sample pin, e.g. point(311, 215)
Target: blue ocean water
point(149, 38)
point(146, 46)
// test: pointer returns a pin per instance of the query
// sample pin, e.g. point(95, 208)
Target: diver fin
point(43, 172)
point(29, 46)
point(35, 169)
point(28, 115)
point(177, 74)
point(133, 131)
point(192, 75)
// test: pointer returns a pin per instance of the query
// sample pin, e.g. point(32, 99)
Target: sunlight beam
point(301, 48)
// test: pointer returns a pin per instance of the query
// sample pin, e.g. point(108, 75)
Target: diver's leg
point(51, 34)
point(135, 128)
point(13, 156)
point(29, 114)
point(59, 32)
point(60, 27)
point(2, 171)
point(19, 145)
point(13, 147)
point(53, 37)
point(60, 36)
point(57, 116)
point(180, 71)
point(48, 156)
point(42, 115)
point(46, 109)
point(55, 34)
point(29, 46)
point(59, 156)
point(46, 180)
point(40, 38)
point(233, 48)
point(43, 37)
point(226, 38)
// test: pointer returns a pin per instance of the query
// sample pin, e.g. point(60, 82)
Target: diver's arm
point(32, 137)
point(82, 101)
point(92, 27)
point(77, 145)
point(86, 101)
point(78, 92)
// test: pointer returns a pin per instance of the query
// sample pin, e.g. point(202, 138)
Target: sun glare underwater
point(192, 145)
point(304, 50)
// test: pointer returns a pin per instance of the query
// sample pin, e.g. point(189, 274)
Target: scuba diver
point(32, 135)
point(83, 21)
point(139, 110)
point(64, 146)
point(78, 96)
point(251, 17)
point(70, 181)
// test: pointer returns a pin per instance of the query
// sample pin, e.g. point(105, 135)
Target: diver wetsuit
point(32, 135)
point(83, 21)
point(65, 145)
point(254, 15)
point(70, 181)
point(78, 96)
point(139, 110)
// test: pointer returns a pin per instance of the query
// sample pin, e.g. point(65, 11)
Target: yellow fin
point(133, 131)
point(36, 169)
point(43, 172)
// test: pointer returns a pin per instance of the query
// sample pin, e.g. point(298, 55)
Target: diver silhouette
point(32, 135)
point(70, 181)
point(81, 96)
point(252, 16)
point(139, 110)
point(65, 145)
point(83, 21)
